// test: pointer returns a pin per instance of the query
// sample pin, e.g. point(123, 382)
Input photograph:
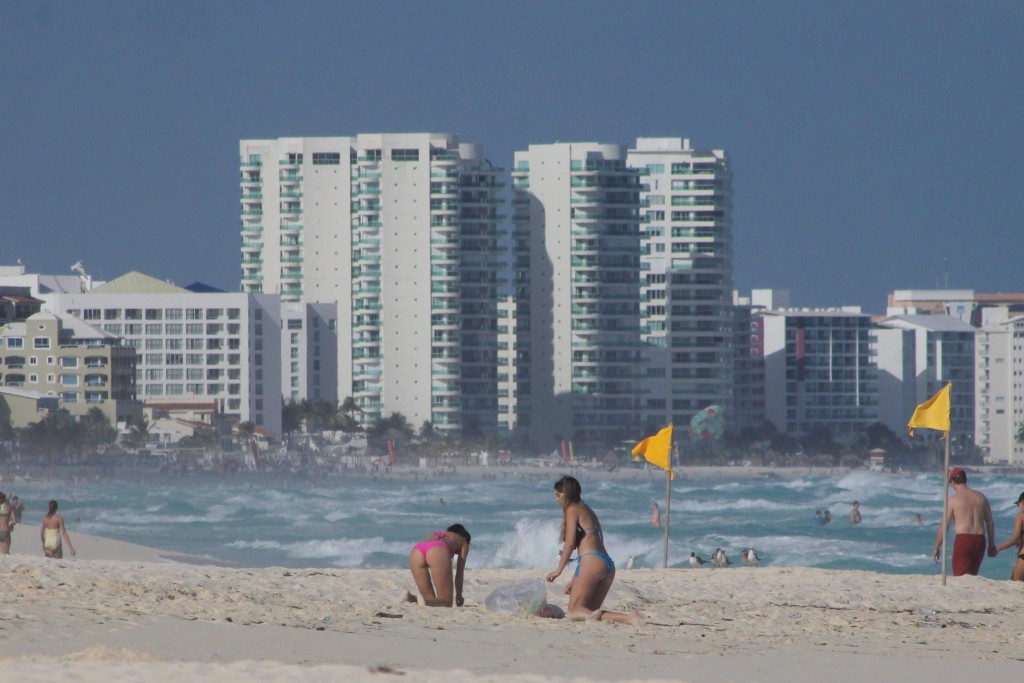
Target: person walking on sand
point(431, 565)
point(595, 570)
point(971, 517)
point(1016, 539)
point(6, 524)
point(51, 531)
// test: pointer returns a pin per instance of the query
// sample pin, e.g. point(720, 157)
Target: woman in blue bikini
point(595, 571)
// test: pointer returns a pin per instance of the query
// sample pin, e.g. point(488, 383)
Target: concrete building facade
point(576, 288)
point(916, 356)
point(686, 307)
point(224, 347)
point(819, 371)
point(999, 377)
point(400, 232)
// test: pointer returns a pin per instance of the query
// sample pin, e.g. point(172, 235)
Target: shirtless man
point(971, 517)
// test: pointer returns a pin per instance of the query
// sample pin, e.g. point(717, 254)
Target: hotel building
point(576, 259)
point(686, 306)
point(400, 232)
point(1000, 386)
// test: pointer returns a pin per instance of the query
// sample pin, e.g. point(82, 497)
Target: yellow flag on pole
point(933, 413)
point(657, 450)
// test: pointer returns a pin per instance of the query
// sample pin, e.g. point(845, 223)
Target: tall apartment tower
point(576, 259)
point(686, 293)
point(1000, 392)
point(401, 232)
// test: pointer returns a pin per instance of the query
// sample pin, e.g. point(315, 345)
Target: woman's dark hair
point(461, 531)
point(570, 488)
point(53, 507)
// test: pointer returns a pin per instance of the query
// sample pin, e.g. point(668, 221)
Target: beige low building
point(63, 357)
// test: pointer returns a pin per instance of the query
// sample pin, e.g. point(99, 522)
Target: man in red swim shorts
point(971, 517)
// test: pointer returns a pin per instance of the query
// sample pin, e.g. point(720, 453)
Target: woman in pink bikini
point(431, 565)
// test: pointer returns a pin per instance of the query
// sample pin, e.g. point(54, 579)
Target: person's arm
point(990, 525)
point(942, 534)
point(64, 532)
point(460, 569)
point(42, 532)
point(1013, 540)
point(572, 518)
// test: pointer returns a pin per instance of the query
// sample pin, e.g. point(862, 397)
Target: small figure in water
point(655, 515)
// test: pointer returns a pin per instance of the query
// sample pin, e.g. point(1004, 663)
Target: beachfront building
point(999, 369)
point(57, 361)
point(309, 351)
point(963, 304)
point(748, 409)
point(916, 356)
point(819, 371)
point(220, 346)
point(686, 308)
point(400, 232)
point(576, 260)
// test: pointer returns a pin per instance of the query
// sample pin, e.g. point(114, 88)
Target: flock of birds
point(718, 559)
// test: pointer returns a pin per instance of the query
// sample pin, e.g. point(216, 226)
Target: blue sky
point(875, 146)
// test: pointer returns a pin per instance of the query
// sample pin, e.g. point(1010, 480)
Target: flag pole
point(668, 513)
point(945, 508)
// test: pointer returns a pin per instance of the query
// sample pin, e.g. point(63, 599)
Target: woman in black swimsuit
point(595, 571)
point(1017, 539)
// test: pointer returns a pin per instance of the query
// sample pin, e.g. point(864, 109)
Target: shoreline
point(131, 617)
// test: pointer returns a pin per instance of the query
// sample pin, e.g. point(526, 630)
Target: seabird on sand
point(696, 560)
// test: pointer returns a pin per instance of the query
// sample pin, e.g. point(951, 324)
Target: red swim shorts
point(968, 552)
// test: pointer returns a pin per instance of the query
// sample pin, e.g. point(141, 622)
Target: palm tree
point(96, 430)
point(137, 436)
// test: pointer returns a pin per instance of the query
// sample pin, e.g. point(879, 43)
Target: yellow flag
point(657, 450)
point(933, 413)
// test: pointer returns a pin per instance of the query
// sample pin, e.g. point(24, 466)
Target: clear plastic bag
point(529, 596)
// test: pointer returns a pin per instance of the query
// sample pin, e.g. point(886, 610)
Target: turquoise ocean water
point(515, 520)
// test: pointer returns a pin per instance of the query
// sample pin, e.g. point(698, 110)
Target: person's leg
point(420, 574)
point(597, 591)
point(591, 570)
point(443, 593)
point(1018, 570)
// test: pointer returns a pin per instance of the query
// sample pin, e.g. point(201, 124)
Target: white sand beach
point(121, 612)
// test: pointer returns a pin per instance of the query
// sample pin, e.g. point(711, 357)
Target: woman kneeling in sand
point(51, 531)
point(431, 565)
point(595, 571)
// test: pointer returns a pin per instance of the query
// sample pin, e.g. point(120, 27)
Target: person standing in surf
point(595, 570)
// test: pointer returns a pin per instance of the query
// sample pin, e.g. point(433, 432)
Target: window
point(214, 313)
point(41, 342)
point(193, 314)
point(91, 314)
point(133, 314)
point(154, 344)
point(154, 328)
point(295, 324)
point(326, 159)
point(15, 343)
point(405, 155)
point(133, 328)
point(154, 359)
point(112, 314)
point(154, 314)
point(172, 314)
point(68, 380)
point(66, 362)
point(193, 329)
point(69, 396)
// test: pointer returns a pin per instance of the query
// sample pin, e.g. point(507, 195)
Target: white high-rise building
point(576, 290)
point(309, 352)
point(400, 232)
point(1000, 386)
point(916, 356)
point(686, 304)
